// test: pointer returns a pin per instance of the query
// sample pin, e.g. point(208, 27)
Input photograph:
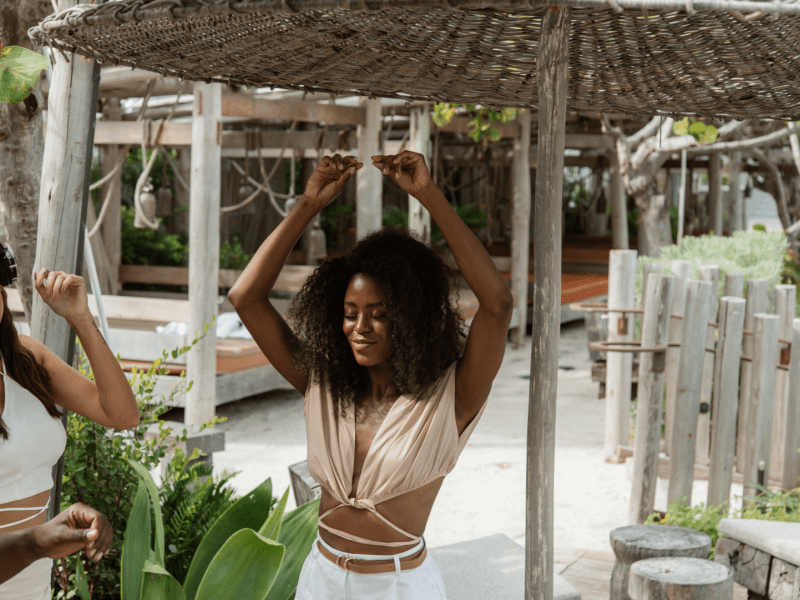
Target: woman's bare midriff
point(409, 512)
point(11, 516)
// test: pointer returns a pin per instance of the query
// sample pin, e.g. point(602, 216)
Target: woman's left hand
point(407, 169)
point(64, 293)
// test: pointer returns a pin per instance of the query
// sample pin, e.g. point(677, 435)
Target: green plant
point(697, 128)
point(773, 505)
point(141, 246)
point(701, 518)
point(754, 254)
point(394, 216)
point(329, 222)
point(19, 71)
point(481, 122)
point(96, 474)
point(251, 551)
point(232, 255)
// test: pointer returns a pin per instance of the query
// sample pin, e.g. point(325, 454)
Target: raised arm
point(486, 342)
point(250, 294)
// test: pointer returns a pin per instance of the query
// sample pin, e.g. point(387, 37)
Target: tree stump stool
point(680, 578)
point(638, 542)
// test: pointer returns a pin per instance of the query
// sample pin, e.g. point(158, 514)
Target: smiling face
point(367, 322)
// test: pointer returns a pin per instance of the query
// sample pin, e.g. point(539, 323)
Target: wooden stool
point(639, 542)
point(672, 577)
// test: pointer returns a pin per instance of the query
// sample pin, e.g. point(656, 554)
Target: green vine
point(481, 122)
point(702, 132)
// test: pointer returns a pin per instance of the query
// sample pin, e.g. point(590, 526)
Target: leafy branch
point(481, 122)
point(19, 71)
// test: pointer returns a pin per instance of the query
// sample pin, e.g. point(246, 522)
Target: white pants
point(32, 583)
point(320, 579)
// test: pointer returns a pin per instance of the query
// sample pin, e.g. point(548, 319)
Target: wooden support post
point(655, 332)
point(552, 68)
point(180, 223)
point(756, 303)
point(703, 439)
point(734, 285)
point(111, 228)
point(715, 192)
point(619, 365)
point(790, 477)
point(647, 269)
point(521, 232)
point(369, 180)
point(63, 197)
point(201, 363)
point(681, 269)
point(419, 220)
point(619, 208)
point(105, 274)
point(785, 300)
point(762, 393)
point(726, 399)
point(735, 191)
point(687, 398)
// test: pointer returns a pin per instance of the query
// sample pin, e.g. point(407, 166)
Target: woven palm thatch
point(660, 60)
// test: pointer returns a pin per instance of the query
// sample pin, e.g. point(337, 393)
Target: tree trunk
point(21, 149)
point(654, 228)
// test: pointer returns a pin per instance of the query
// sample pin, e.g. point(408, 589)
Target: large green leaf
point(272, 526)
point(19, 72)
point(136, 547)
point(157, 584)
point(80, 581)
point(298, 534)
point(248, 512)
point(245, 567)
point(156, 502)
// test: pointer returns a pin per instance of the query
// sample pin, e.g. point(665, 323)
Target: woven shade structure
point(711, 63)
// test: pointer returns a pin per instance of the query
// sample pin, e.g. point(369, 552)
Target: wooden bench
point(634, 543)
point(764, 557)
point(671, 577)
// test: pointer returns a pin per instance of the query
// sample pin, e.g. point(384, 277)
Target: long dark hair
point(427, 333)
point(22, 367)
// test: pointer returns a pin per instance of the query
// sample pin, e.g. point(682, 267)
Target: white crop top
point(35, 443)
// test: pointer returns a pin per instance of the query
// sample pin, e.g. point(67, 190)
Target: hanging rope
point(266, 188)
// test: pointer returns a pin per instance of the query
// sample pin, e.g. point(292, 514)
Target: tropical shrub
point(252, 550)
point(232, 255)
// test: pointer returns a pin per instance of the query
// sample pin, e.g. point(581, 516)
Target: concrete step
point(490, 567)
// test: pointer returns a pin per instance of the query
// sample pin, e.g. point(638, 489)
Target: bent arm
point(486, 342)
point(18, 551)
point(250, 294)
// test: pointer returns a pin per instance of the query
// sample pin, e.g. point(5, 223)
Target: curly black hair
point(427, 333)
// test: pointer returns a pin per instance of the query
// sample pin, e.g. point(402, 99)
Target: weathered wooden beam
point(249, 107)
point(785, 301)
point(621, 295)
point(703, 437)
point(790, 477)
point(521, 229)
point(715, 206)
point(552, 69)
point(111, 227)
point(419, 219)
point(617, 200)
point(369, 180)
point(204, 218)
point(681, 269)
point(291, 278)
point(124, 82)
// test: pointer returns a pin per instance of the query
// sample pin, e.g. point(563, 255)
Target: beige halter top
point(417, 443)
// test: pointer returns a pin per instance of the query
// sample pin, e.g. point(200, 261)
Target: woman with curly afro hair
point(393, 387)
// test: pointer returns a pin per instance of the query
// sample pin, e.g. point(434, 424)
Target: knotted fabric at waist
point(369, 505)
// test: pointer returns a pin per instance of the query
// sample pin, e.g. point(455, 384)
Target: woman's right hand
point(329, 178)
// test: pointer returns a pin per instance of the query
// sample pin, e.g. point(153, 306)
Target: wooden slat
point(291, 278)
point(239, 105)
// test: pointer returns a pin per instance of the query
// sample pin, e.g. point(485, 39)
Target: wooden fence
point(720, 376)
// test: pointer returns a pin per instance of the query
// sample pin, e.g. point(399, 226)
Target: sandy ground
point(485, 494)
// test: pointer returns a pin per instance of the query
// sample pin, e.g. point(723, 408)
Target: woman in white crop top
point(34, 383)
point(392, 390)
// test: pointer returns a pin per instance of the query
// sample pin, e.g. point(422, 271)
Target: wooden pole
point(681, 269)
point(762, 392)
point(201, 363)
point(647, 269)
point(790, 477)
point(715, 192)
point(619, 208)
point(111, 228)
point(419, 220)
point(756, 303)
point(655, 332)
point(552, 68)
point(785, 300)
point(521, 231)
point(734, 285)
point(369, 180)
point(703, 439)
point(726, 399)
point(687, 398)
point(619, 365)
point(735, 190)
point(63, 197)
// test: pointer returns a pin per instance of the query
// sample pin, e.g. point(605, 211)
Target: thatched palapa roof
point(656, 56)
